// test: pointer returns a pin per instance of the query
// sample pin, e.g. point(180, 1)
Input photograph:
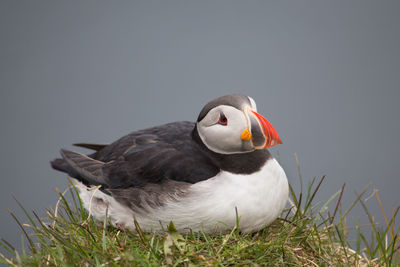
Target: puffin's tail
point(59, 165)
point(62, 166)
point(80, 166)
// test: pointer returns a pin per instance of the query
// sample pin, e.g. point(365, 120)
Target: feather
point(95, 147)
point(89, 169)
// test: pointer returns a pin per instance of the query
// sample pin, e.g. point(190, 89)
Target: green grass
point(308, 234)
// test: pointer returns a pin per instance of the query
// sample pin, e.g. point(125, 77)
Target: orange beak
point(271, 135)
point(261, 132)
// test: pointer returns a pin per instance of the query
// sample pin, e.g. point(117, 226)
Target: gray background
point(325, 73)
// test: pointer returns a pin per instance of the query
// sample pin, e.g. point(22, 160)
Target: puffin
point(210, 175)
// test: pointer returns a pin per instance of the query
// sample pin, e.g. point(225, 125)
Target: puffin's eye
point(222, 119)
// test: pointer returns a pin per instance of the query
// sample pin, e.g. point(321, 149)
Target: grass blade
point(338, 203)
point(32, 246)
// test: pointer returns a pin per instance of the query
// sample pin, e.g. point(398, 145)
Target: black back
point(172, 151)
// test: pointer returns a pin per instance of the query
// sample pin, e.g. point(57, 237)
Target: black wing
point(166, 152)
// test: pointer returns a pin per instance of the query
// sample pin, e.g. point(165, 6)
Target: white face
point(224, 135)
point(253, 103)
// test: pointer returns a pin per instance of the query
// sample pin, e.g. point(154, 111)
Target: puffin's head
point(230, 124)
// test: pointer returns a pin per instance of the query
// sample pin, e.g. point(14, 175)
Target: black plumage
point(172, 151)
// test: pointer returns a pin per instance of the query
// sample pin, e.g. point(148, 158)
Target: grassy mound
point(305, 235)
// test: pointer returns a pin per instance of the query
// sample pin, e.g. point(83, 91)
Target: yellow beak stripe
point(246, 135)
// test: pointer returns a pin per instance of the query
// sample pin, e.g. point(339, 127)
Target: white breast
point(210, 204)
